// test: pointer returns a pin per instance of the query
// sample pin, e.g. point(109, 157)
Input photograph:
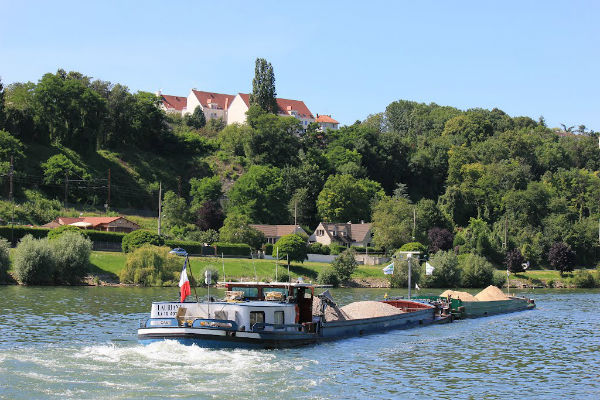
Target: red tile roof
point(176, 102)
point(95, 221)
point(223, 101)
point(326, 119)
point(285, 105)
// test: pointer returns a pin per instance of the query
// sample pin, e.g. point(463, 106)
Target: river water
point(80, 343)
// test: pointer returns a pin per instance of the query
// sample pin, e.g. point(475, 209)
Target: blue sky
point(348, 59)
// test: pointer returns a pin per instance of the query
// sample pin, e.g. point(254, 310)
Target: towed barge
point(275, 315)
point(488, 302)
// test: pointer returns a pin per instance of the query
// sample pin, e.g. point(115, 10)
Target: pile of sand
point(491, 293)
point(369, 309)
point(332, 313)
point(464, 296)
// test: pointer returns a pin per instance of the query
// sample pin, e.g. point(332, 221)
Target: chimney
point(289, 108)
point(226, 102)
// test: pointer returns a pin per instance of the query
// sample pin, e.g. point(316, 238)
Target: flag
point(184, 282)
point(417, 286)
point(428, 269)
point(389, 270)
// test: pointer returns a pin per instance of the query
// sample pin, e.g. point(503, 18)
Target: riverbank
point(106, 266)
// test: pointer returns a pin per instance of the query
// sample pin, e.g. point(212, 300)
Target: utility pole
point(108, 201)
point(159, 205)
point(66, 187)
point(505, 244)
point(10, 198)
point(409, 258)
point(414, 224)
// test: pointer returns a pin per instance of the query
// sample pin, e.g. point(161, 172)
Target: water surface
point(81, 343)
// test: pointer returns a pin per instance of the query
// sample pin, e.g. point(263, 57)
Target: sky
point(347, 58)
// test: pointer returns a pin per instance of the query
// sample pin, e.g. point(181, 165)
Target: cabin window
point(284, 291)
point(248, 291)
point(256, 317)
point(279, 318)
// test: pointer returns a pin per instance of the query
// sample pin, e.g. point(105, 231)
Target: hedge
point(20, 231)
point(233, 249)
point(102, 236)
point(189, 246)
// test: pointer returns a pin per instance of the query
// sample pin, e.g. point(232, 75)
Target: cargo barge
point(277, 315)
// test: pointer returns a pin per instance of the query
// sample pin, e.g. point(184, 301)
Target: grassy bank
point(109, 263)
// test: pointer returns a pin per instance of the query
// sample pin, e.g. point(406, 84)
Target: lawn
point(112, 263)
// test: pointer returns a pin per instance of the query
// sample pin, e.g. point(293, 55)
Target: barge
point(277, 315)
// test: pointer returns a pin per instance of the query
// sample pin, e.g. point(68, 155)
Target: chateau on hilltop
point(232, 108)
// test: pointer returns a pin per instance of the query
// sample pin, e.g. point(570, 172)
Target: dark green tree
point(237, 229)
point(291, 247)
point(197, 119)
point(259, 194)
point(345, 198)
point(263, 87)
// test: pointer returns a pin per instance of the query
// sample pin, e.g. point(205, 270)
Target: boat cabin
point(248, 306)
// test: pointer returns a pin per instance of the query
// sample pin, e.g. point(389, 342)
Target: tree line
point(477, 181)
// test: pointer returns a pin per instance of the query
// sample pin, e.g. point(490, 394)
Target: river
point(80, 342)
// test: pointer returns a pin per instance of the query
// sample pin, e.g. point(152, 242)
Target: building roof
point(356, 232)
point(285, 105)
point(222, 101)
point(276, 230)
point(176, 102)
point(94, 221)
point(326, 119)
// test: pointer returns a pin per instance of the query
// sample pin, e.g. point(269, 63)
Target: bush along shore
point(63, 261)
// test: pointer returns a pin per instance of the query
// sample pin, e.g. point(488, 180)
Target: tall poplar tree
point(263, 87)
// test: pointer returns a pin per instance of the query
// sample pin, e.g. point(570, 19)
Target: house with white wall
point(274, 232)
point(326, 122)
point(345, 234)
point(295, 108)
point(214, 105)
point(172, 104)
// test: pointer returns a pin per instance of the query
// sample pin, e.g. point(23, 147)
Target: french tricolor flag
point(184, 282)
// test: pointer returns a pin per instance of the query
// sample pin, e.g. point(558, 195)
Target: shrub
point(584, 279)
point(561, 257)
point(190, 247)
point(335, 249)
point(345, 265)
point(151, 265)
point(514, 261)
point(71, 252)
point(138, 238)
point(439, 239)
point(268, 248)
point(446, 273)
point(399, 279)
point(33, 261)
point(328, 276)
point(4, 259)
point(19, 232)
point(292, 247)
point(499, 279)
point(208, 236)
point(476, 271)
point(56, 232)
point(232, 249)
point(214, 276)
point(318, 248)
point(414, 246)
point(282, 276)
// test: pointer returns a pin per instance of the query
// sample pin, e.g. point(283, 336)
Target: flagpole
point(223, 259)
point(190, 265)
point(276, 261)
